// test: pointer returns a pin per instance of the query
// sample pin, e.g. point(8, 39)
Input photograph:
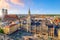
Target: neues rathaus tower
point(29, 21)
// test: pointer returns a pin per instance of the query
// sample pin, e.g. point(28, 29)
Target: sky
point(36, 6)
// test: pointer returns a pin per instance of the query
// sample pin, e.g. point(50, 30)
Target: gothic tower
point(4, 12)
point(29, 21)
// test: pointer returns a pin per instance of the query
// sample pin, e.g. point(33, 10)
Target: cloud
point(17, 2)
point(6, 4)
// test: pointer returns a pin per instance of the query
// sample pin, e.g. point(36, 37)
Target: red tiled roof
point(11, 25)
point(23, 18)
point(11, 16)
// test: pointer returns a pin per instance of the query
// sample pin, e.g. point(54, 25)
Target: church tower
point(29, 21)
point(4, 12)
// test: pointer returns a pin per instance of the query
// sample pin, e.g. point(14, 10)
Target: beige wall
point(58, 33)
point(9, 30)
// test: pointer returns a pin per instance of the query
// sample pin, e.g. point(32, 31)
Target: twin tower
point(4, 12)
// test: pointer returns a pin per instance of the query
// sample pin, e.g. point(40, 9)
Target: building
point(5, 37)
point(30, 38)
point(8, 29)
point(29, 21)
point(56, 20)
point(4, 12)
point(51, 31)
point(12, 23)
point(11, 17)
point(59, 34)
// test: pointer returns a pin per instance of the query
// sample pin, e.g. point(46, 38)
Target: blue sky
point(36, 6)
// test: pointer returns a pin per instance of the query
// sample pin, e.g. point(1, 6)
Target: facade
point(41, 30)
point(11, 28)
point(11, 22)
point(11, 17)
point(29, 21)
point(30, 38)
point(51, 32)
point(5, 37)
point(59, 34)
point(4, 12)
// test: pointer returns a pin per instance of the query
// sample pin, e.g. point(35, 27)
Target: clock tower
point(29, 21)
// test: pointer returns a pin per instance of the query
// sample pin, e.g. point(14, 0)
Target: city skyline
point(29, 20)
point(36, 6)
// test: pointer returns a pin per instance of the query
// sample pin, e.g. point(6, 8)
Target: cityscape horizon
point(29, 19)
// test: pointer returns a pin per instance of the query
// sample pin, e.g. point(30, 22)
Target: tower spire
point(29, 11)
point(29, 21)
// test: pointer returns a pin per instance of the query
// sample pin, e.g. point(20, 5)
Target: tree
point(17, 38)
point(1, 30)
